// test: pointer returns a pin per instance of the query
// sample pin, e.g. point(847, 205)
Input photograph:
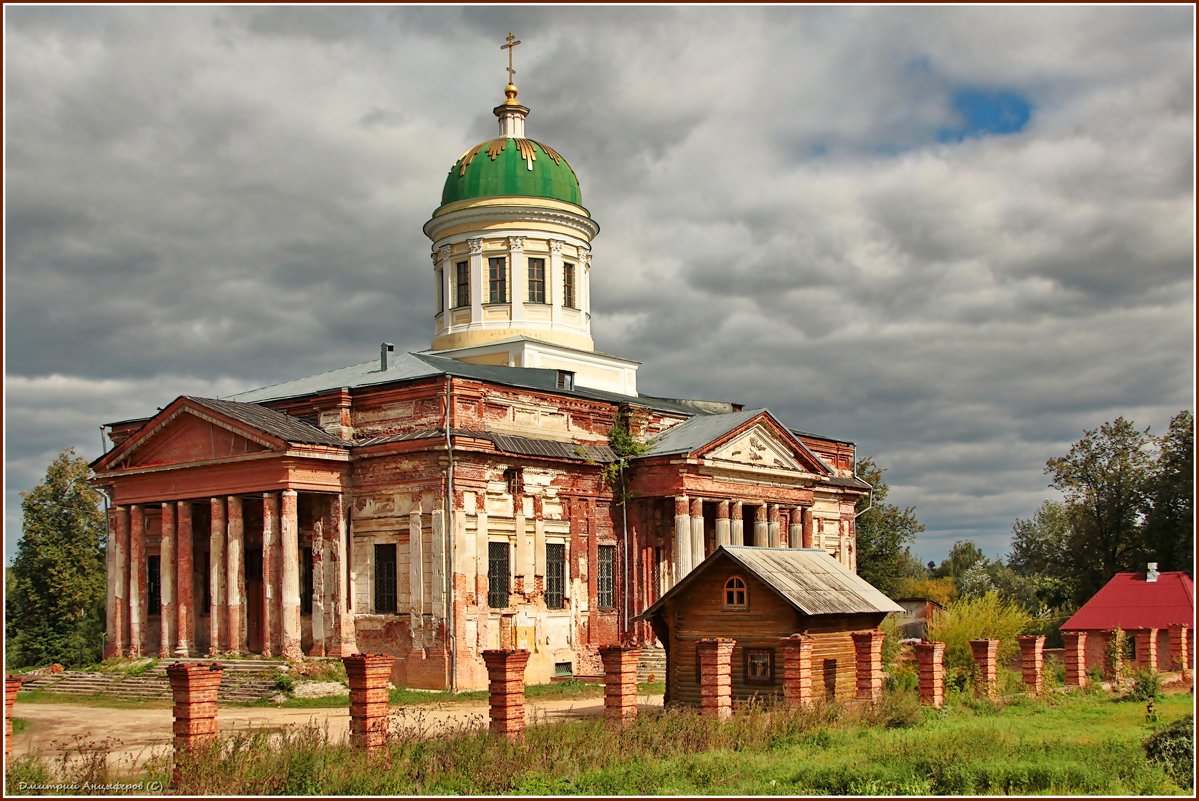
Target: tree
point(55, 603)
point(962, 556)
point(1042, 554)
point(1170, 525)
point(1105, 478)
point(885, 533)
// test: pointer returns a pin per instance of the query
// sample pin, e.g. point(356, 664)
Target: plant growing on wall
point(626, 447)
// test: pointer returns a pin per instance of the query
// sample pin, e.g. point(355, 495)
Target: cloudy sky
point(958, 237)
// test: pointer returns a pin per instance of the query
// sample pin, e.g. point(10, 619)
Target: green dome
point(507, 166)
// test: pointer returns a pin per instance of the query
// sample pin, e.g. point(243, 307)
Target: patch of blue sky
point(984, 112)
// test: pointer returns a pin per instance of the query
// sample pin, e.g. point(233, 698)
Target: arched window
point(735, 594)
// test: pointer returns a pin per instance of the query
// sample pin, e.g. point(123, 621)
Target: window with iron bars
point(605, 593)
point(555, 575)
point(498, 572)
point(385, 579)
point(153, 585)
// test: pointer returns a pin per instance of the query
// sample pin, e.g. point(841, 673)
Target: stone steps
point(652, 665)
point(236, 685)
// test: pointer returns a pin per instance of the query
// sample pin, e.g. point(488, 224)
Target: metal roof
point(508, 443)
point(269, 421)
point(808, 579)
point(1130, 602)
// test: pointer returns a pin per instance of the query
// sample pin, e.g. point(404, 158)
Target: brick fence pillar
point(930, 664)
point(986, 658)
point(716, 676)
point(1032, 659)
point(797, 670)
point(1075, 658)
point(194, 686)
point(1180, 651)
point(868, 651)
point(367, 676)
point(620, 681)
point(1147, 649)
point(506, 688)
point(12, 685)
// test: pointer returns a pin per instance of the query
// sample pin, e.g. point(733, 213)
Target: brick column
point(1075, 658)
point(12, 685)
point(737, 523)
point(724, 532)
point(194, 686)
point(217, 620)
point(682, 539)
point(185, 593)
point(1032, 657)
point(1147, 649)
point(795, 529)
point(118, 582)
point(868, 653)
point(341, 635)
point(368, 675)
point(761, 525)
point(986, 659)
point(137, 580)
point(289, 620)
point(166, 581)
point(930, 664)
point(716, 676)
point(809, 527)
point(620, 681)
point(797, 670)
point(1180, 652)
point(697, 532)
point(235, 581)
point(270, 592)
point(506, 689)
point(775, 526)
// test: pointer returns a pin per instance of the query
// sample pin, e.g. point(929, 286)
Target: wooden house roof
point(806, 578)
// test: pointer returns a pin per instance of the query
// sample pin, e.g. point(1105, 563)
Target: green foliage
point(626, 446)
point(1173, 748)
point(55, 597)
point(1146, 685)
point(965, 619)
point(941, 590)
point(885, 533)
point(1170, 527)
point(285, 683)
point(892, 633)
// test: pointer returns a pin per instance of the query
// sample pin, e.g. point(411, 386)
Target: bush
point(285, 683)
point(969, 619)
point(1173, 748)
point(1146, 685)
point(902, 677)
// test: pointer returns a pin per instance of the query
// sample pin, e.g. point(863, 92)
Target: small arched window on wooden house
point(736, 596)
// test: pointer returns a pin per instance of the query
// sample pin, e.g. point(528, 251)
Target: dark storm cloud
point(206, 199)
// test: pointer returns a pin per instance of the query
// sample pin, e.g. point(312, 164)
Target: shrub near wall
point(979, 618)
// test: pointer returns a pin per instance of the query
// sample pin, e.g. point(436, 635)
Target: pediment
point(188, 436)
point(757, 447)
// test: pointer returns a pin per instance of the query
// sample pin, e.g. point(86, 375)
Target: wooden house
point(757, 596)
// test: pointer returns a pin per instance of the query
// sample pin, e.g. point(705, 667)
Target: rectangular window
point(568, 285)
point(555, 575)
point(153, 585)
point(536, 280)
point(498, 572)
point(497, 277)
point(759, 666)
point(440, 275)
point(605, 593)
point(305, 581)
point(385, 579)
point(206, 602)
point(462, 284)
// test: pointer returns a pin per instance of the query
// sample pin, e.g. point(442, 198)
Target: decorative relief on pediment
point(757, 447)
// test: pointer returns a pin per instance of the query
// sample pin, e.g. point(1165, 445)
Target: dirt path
point(132, 736)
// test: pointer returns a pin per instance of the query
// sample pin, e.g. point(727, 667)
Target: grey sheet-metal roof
point(405, 367)
point(508, 443)
point(808, 579)
point(270, 421)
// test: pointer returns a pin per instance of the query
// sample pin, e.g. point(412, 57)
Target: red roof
point(1129, 602)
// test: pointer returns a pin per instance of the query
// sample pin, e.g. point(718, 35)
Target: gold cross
point(512, 42)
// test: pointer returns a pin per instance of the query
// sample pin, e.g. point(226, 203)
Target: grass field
point(1063, 744)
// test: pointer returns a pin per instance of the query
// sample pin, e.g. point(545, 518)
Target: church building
point(507, 487)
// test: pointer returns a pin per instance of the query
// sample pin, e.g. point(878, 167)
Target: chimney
point(1151, 573)
point(386, 356)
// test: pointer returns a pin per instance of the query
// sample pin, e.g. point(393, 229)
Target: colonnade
point(179, 605)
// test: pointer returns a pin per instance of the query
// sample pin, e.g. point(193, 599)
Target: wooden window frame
point(536, 280)
point(497, 279)
point(461, 284)
point(568, 285)
point(732, 589)
point(747, 654)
